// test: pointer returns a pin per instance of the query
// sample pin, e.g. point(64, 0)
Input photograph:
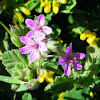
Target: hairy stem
point(39, 66)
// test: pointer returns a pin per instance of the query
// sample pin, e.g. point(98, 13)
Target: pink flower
point(32, 47)
point(69, 59)
point(38, 26)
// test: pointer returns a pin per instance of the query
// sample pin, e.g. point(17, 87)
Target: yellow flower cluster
point(55, 5)
point(61, 96)
point(47, 76)
point(90, 37)
point(59, 41)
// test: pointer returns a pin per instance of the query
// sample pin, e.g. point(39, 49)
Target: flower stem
point(52, 55)
point(39, 66)
point(54, 70)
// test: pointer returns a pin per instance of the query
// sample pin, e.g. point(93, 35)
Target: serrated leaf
point(92, 54)
point(13, 58)
point(74, 94)
point(10, 80)
point(59, 84)
point(27, 96)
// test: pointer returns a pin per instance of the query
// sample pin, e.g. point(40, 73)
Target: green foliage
point(15, 63)
point(56, 31)
point(10, 79)
point(22, 87)
point(74, 94)
point(32, 5)
point(59, 84)
point(69, 6)
point(27, 96)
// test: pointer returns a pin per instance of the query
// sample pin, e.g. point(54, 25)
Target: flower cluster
point(55, 5)
point(90, 37)
point(35, 40)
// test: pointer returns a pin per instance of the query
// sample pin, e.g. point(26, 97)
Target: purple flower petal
point(42, 47)
point(47, 30)
point(78, 56)
point(67, 69)
point(26, 40)
point(26, 49)
point(40, 20)
point(77, 65)
point(33, 55)
point(68, 51)
point(30, 23)
point(30, 34)
point(38, 36)
point(62, 60)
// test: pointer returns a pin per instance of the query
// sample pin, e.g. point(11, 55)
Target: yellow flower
point(91, 94)
point(59, 40)
point(3, 4)
point(43, 3)
point(55, 7)
point(19, 15)
point(61, 96)
point(47, 76)
point(63, 1)
point(25, 10)
point(85, 34)
point(93, 41)
point(47, 7)
point(90, 40)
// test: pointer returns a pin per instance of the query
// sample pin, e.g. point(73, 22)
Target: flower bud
point(83, 36)
point(25, 10)
point(52, 45)
point(17, 31)
point(47, 8)
point(16, 41)
point(63, 1)
point(33, 84)
point(55, 6)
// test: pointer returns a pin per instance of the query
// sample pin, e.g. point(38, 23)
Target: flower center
point(35, 46)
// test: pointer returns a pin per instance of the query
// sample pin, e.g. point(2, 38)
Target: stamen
point(74, 58)
point(71, 61)
point(75, 61)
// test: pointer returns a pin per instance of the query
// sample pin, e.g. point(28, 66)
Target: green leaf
point(10, 79)
point(13, 58)
point(74, 94)
point(22, 87)
point(27, 96)
point(70, 19)
point(38, 8)
point(32, 5)
point(92, 54)
point(91, 66)
point(1, 10)
point(59, 84)
point(70, 5)
point(6, 28)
